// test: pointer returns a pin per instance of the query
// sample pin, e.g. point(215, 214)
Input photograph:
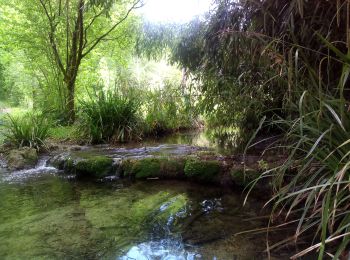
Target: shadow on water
point(43, 216)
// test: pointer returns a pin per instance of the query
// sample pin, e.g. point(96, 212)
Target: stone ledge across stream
point(162, 162)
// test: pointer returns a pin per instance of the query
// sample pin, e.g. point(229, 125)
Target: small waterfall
point(40, 169)
point(163, 243)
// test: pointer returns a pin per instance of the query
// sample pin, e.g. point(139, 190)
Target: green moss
point(173, 168)
point(148, 167)
point(126, 167)
point(206, 171)
point(243, 178)
point(97, 166)
point(166, 168)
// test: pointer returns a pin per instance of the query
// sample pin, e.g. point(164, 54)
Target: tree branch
point(99, 39)
point(89, 25)
point(52, 38)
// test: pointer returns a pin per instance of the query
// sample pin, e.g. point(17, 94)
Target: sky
point(178, 11)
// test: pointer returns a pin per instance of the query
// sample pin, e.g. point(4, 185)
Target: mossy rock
point(147, 168)
point(154, 168)
point(22, 158)
point(243, 178)
point(96, 167)
point(201, 170)
point(63, 162)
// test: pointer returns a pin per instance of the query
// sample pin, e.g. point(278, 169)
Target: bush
point(168, 112)
point(29, 130)
point(109, 117)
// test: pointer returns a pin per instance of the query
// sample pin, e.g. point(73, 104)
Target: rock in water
point(22, 158)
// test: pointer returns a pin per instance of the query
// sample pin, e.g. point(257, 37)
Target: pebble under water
point(44, 215)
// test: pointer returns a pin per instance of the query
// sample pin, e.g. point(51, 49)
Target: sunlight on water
point(164, 250)
point(46, 216)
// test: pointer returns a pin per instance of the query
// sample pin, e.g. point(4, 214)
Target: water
point(181, 142)
point(44, 215)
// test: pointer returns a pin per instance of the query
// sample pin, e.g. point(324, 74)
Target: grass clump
point(312, 185)
point(30, 130)
point(109, 117)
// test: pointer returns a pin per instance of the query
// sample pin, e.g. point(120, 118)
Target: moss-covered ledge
point(202, 168)
point(95, 167)
point(157, 167)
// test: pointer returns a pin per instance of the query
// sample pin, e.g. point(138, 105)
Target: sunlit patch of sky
point(174, 11)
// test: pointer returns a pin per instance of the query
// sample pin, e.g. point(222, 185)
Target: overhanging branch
point(103, 36)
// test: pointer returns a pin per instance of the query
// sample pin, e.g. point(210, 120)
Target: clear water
point(45, 215)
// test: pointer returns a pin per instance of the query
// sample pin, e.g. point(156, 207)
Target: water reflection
point(54, 218)
point(223, 141)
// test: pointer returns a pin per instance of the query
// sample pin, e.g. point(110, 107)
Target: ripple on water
point(166, 249)
point(22, 175)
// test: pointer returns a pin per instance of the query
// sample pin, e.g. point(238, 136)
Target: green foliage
point(64, 133)
point(229, 72)
point(316, 191)
point(30, 129)
point(167, 111)
point(108, 117)
point(205, 171)
point(312, 185)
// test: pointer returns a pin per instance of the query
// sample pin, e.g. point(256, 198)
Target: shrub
point(168, 112)
point(109, 117)
point(29, 129)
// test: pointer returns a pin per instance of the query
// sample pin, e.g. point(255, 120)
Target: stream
point(45, 214)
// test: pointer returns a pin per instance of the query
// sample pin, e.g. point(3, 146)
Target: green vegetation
point(27, 130)
point(266, 75)
point(109, 117)
point(65, 133)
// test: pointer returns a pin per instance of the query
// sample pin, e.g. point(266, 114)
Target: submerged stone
point(96, 166)
point(63, 162)
point(204, 171)
point(22, 158)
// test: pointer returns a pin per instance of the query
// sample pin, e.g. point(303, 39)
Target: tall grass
point(29, 129)
point(109, 117)
point(312, 186)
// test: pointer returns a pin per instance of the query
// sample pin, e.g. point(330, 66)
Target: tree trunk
point(70, 101)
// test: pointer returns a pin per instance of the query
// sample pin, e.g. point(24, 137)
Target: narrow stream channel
point(47, 215)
